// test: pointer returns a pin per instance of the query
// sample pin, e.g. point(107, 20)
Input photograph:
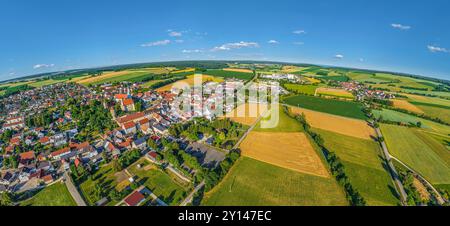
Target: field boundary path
point(189, 198)
point(438, 196)
point(250, 129)
point(394, 173)
point(73, 190)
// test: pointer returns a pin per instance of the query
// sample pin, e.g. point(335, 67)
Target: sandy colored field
point(403, 104)
point(238, 70)
point(247, 114)
point(105, 75)
point(334, 92)
point(291, 69)
point(189, 81)
point(288, 150)
point(183, 70)
point(423, 192)
point(313, 80)
point(346, 126)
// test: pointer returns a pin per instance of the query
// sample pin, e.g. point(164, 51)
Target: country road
point(73, 190)
point(189, 198)
point(394, 173)
point(438, 196)
point(250, 129)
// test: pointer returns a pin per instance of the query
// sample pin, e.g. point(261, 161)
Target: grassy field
point(434, 110)
point(419, 151)
point(45, 83)
point(364, 166)
point(229, 74)
point(166, 187)
point(342, 125)
point(54, 195)
point(105, 177)
point(285, 123)
point(334, 92)
point(342, 108)
point(305, 89)
point(251, 182)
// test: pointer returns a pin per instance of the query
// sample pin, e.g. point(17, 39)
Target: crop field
point(334, 92)
point(419, 151)
point(341, 108)
point(342, 125)
point(285, 123)
point(238, 70)
point(373, 78)
point(404, 104)
point(340, 78)
point(254, 183)
point(46, 82)
point(247, 113)
point(189, 81)
point(291, 69)
point(164, 186)
point(364, 166)
point(313, 80)
point(229, 74)
point(56, 194)
point(109, 77)
point(440, 112)
point(305, 89)
point(296, 153)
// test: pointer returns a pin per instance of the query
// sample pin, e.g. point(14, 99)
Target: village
point(48, 139)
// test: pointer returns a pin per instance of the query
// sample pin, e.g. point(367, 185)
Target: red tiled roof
point(134, 199)
point(44, 140)
point(121, 96)
point(14, 140)
point(131, 117)
point(129, 125)
point(27, 155)
point(144, 121)
point(128, 102)
point(153, 154)
point(47, 178)
point(60, 152)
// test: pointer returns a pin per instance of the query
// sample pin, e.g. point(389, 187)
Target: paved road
point(73, 190)
point(189, 198)
point(437, 194)
point(394, 173)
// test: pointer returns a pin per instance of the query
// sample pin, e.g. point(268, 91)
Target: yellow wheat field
point(189, 81)
point(346, 126)
point(334, 92)
point(403, 104)
point(247, 114)
point(238, 70)
point(288, 150)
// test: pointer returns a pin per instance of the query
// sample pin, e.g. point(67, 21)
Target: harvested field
point(333, 92)
point(104, 76)
point(423, 192)
point(313, 80)
point(189, 81)
point(247, 114)
point(342, 125)
point(288, 150)
point(403, 104)
point(238, 70)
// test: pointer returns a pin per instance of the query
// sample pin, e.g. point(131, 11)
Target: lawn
point(343, 108)
point(364, 166)
point(105, 177)
point(254, 183)
point(54, 195)
point(168, 188)
point(419, 151)
point(285, 123)
point(230, 74)
point(305, 89)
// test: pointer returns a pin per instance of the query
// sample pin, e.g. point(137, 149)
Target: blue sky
point(49, 35)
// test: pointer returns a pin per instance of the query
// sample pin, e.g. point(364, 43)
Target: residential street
point(73, 190)
point(188, 199)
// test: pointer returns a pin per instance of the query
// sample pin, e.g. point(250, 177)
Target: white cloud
point(157, 43)
point(192, 51)
point(235, 45)
point(179, 41)
point(175, 34)
point(436, 49)
point(298, 43)
point(273, 42)
point(37, 66)
point(401, 26)
point(339, 56)
point(299, 32)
